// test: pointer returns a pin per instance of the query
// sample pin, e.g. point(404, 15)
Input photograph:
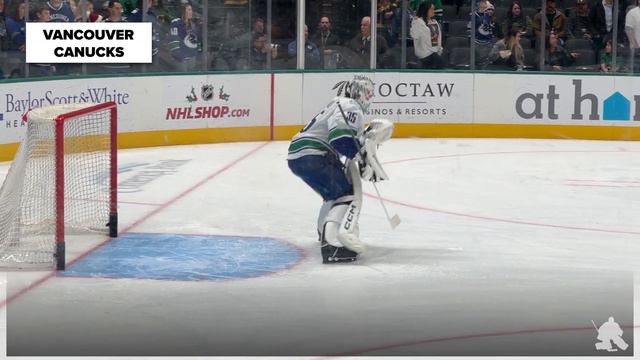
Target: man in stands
point(554, 21)
point(361, 43)
point(60, 11)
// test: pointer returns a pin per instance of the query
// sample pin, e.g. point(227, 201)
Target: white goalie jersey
point(332, 130)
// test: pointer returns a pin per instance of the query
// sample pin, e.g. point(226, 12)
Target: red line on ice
point(465, 337)
point(510, 221)
point(505, 153)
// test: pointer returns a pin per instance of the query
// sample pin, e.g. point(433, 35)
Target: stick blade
point(394, 221)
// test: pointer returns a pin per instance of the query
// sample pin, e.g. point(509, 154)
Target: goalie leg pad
point(341, 225)
point(324, 211)
point(348, 233)
point(333, 221)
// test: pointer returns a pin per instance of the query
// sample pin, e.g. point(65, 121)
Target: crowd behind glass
point(240, 35)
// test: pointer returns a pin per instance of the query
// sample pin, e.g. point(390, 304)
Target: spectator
point(326, 40)
point(427, 36)
point(42, 14)
point(557, 57)
point(15, 23)
point(361, 43)
point(87, 7)
point(241, 46)
point(324, 37)
point(579, 23)
point(185, 39)
point(149, 16)
point(256, 59)
point(312, 58)
point(602, 19)
point(554, 21)
point(4, 39)
point(95, 17)
point(605, 57)
point(632, 28)
point(389, 12)
point(507, 54)
point(245, 41)
point(16, 26)
point(487, 31)
point(490, 13)
point(60, 11)
point(115, 11)
point(115, 15)
point(517, 20)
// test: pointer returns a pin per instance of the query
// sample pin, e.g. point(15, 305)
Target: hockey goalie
point(331, 154)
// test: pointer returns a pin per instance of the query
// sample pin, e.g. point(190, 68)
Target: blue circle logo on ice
point(186, 257)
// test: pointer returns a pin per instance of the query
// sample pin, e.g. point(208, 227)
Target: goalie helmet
point(361, 90)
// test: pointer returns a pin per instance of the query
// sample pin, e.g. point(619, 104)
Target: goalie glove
point(370, 167)
point(378, 131)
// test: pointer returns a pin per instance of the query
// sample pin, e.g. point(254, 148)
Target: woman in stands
point(185, 39)
point(517, 20)
point(557, 57)
point(507, 54)
point(427, 37)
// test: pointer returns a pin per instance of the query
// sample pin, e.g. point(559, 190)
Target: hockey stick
point(394, 220)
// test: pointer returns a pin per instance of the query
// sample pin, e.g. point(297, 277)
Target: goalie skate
point(336, 254)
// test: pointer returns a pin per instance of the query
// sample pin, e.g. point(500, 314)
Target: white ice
point(503, 245)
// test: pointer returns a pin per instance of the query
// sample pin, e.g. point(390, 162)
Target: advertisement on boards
point(400, 97)
point(561, 100)
point(202, 101)
point(16, 99)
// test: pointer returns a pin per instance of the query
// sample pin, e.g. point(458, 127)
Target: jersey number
point(351, 117)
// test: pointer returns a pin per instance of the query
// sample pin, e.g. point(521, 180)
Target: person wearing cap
point(487, 30)
point(554, 21)
point(579, 23)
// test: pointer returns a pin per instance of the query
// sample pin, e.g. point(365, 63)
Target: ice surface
point(506, 247)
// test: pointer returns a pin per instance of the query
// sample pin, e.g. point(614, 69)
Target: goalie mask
point(361, 90)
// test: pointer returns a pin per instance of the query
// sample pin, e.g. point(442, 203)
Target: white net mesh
point(28, 197)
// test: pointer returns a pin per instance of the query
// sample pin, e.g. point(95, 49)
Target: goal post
point(63, 180)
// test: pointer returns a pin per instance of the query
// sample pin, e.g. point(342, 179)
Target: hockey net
point(62, 180)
